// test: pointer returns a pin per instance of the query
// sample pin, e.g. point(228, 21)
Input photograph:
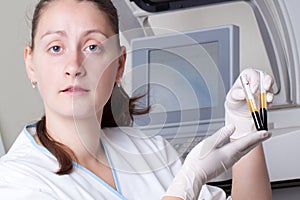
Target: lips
point(74, 89)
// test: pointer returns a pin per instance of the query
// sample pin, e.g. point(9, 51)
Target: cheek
point(105, 85)
point(48, 78)
point(47, 87)
point(47, 70)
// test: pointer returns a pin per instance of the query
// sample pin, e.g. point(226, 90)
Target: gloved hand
point(236, 109)
point(209, 159)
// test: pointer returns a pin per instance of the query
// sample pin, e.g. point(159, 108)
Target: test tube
point(251, 103)
point(263, 102)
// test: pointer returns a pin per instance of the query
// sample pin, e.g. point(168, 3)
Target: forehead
point(72, 15)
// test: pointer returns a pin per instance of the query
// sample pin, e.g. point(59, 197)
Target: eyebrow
point(94, 31)
point(63, 33)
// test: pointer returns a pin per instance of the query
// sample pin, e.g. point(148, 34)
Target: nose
point(75, 74)
point(74, 67)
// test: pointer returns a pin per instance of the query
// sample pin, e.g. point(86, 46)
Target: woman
point(76, 62)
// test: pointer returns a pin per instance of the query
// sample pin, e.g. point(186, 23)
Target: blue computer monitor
point(185, 75)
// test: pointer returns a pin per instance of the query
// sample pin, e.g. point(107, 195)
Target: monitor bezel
point(228, 39)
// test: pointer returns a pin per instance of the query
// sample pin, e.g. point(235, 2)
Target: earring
point(33, 84)
point(118, 84)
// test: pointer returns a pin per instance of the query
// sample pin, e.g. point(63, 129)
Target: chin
point(79, 114)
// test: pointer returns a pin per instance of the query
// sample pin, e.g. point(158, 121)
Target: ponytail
point(63, 154)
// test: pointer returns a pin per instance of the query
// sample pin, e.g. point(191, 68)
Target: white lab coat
point(143, 168)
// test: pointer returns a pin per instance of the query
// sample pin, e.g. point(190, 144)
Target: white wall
point(19, 103)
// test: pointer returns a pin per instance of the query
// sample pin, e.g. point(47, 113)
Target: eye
point(94, 48)
point(55, 49)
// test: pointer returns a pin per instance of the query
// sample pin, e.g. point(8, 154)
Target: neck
point(82, 136)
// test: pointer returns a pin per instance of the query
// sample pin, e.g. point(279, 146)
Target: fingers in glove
point(215, 141)
point(268, 82)
point(224, 135)
point(238, 94)
point(247, 143)
point(270, 97)
point(267, 86)
point(252, 76)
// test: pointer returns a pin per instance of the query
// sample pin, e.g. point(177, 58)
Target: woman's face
point(76, 59)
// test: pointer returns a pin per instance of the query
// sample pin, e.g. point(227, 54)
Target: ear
point(122, 60)
point(28, 63)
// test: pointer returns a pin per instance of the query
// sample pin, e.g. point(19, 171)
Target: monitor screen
point(185, 75)
point(179, 80)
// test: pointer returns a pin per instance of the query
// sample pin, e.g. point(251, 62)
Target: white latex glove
point(236, 108)
point(210, 158)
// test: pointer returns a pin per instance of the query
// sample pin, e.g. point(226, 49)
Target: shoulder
point(25, 147)
point(19, 151)
point(26, 157)
point(26, 167)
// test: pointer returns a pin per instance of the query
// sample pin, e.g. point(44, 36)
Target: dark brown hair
point(118, 111)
